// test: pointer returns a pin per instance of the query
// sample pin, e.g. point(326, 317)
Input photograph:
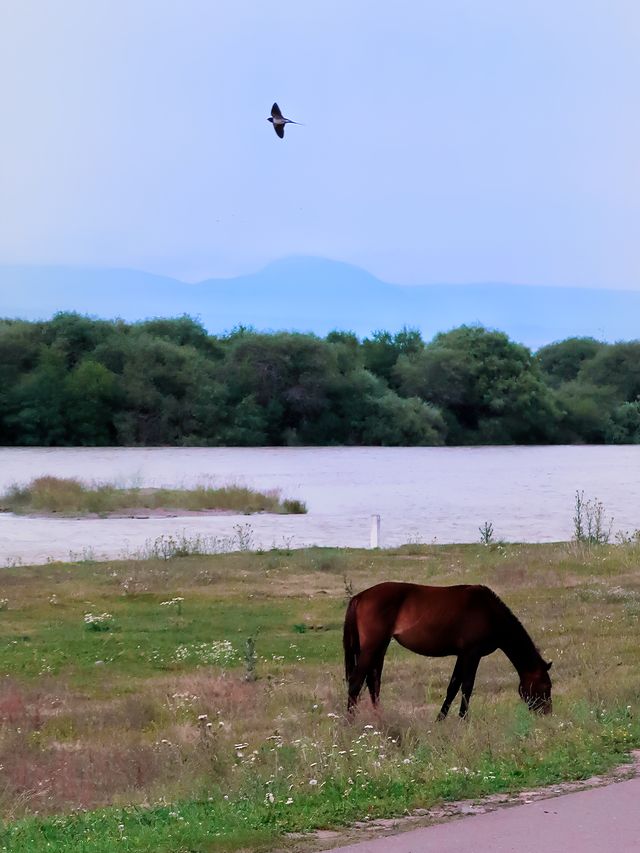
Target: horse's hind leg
point(452, 689)
point(356, 680)
point(374, 676)
point(369, 668)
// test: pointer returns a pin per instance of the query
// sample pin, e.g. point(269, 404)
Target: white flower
point(269, 797)
point(289, 801)
point(313, 781)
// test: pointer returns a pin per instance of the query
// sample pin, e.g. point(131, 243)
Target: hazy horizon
point(487, 142)
point(275, 262)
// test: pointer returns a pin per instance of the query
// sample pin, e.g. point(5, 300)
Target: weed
point(250, 659)
point(348, 588)
point(244, 537)
point(589, 523)
point(486, 533)
point(174, 545)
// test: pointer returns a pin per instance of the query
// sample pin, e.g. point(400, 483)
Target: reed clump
point(70, 496)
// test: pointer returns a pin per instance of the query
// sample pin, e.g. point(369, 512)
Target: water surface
point(422, 494)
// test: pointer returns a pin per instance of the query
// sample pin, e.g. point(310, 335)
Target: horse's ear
point(548, 665)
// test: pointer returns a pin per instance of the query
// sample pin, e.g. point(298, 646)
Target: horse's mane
point(522, 642)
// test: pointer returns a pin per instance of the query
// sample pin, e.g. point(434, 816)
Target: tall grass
point(69, 496)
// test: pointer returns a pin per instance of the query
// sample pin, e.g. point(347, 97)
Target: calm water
point(422, 494)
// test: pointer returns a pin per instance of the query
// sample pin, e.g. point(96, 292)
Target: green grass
point(147, 735)
point(71, 497)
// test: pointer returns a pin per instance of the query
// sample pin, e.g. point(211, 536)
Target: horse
point(468, 620)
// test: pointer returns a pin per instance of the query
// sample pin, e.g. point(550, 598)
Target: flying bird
point(278, 121)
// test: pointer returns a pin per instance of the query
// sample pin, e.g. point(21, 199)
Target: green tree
point(91, 392)
point(39, 406)
point(618, 367)
point(488, 388)
point(182, 331)
point(21, 349)
point(73, 336)
point(382, 351)
point(287, 375)
point(562, 361)
point(623, 426)
point(585, 410)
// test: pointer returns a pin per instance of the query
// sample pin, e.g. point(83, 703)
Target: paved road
point(600, 820)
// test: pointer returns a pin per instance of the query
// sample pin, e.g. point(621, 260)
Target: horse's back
point(431, 620)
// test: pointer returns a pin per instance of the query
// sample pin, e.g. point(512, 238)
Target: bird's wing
point(279, 129)
point(275, 111)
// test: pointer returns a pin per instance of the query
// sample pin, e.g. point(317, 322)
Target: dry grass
point(144, 728)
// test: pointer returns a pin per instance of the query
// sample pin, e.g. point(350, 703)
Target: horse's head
point(535, 689)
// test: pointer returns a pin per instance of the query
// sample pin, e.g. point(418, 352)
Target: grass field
point(68, 496)
point(134, 716)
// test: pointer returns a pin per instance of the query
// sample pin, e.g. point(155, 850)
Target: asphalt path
point(598, 820)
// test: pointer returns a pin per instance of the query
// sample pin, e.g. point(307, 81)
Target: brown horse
point(467, 621)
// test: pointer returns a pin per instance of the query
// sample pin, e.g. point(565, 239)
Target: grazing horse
point(468, 621)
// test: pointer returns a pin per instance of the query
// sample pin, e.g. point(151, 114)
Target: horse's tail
point(350, 638)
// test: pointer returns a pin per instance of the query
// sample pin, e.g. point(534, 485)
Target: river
point(423, 494)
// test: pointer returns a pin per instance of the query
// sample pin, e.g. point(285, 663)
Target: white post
point(375, 531)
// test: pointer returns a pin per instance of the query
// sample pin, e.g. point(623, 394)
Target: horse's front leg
point(469, 670)
point(452, 690)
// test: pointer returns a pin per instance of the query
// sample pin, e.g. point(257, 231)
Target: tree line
point(74, 380)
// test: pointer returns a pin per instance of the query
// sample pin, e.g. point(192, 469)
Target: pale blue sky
point(450, 141)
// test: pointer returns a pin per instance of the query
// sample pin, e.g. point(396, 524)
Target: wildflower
point(269, 798)
point(289, 801)
point(313, 781)
point(98, 621)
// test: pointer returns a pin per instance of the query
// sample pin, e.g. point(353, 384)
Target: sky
point(443, 142)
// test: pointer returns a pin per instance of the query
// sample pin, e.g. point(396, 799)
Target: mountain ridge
point(319, 295)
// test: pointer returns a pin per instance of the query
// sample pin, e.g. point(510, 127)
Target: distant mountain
point(318, 295)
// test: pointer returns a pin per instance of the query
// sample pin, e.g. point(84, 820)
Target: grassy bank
point(134, 714)
point(67, 496)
